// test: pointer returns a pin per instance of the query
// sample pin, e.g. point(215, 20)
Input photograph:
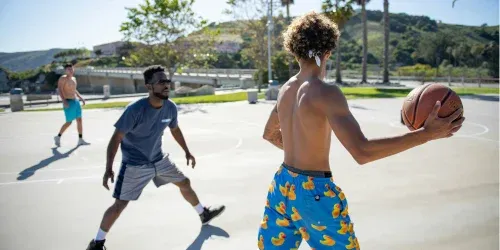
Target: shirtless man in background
point(72, 108)
point(303, 200)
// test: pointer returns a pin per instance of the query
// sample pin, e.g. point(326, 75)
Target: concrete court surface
point(441, 195)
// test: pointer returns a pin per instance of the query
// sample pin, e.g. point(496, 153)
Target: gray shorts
point(132, 179)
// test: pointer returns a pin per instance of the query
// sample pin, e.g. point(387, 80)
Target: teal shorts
point(73, 111)
point(305, 205)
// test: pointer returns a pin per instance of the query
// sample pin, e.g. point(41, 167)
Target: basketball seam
point(416, 105)
point(404, 113)
point(444, 99)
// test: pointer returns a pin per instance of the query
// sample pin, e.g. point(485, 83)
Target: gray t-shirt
point(143, 127)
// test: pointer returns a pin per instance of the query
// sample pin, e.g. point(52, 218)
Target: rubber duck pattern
point(311, 208)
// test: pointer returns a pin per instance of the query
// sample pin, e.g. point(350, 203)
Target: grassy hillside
point(411, 39)
point(21, 61)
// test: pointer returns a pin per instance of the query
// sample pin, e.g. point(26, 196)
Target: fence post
point(463, 84)
point(449, 76)
point(479, 77)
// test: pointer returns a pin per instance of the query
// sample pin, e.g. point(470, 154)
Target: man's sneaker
point(210, 213)
point(82, 142)
point(57, 140)
point(96, 245)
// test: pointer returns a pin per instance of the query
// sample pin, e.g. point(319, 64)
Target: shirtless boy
point(72, 108)
point(303, 200)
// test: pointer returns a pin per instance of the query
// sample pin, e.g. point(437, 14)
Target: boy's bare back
point(305, 128)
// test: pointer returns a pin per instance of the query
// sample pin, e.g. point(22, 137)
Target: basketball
point(420, 101)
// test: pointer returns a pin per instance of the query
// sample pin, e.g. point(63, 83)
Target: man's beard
point(161, 95)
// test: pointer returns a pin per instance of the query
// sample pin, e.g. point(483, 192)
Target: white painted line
point(60, 181)
point(48, 180)
point(485, 129)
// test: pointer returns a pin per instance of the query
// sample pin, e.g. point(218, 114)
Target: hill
point(408, 34)
point(413, 40)
point(21, 61)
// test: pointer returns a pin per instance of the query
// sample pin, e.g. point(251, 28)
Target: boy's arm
point(78, 93)
point(60, 85)
point(364, 150)
point(272, 132)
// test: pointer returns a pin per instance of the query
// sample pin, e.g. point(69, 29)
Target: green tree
point(365, 38)
point(339, 12)
point(163, 26)
point(490, 52)
point(253, 27)
point(98, 53)
point(386, 42)
point(287, 3)
point(433, 47)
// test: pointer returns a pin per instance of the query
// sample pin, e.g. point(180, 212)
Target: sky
point(28, 25)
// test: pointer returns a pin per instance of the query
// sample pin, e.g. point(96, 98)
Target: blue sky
point(27, 25)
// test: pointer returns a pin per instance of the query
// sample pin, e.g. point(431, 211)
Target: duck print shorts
point(305, 205)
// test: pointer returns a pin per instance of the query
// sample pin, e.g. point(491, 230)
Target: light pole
point(269, 29)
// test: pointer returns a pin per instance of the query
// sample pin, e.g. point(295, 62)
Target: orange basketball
point(420, 101)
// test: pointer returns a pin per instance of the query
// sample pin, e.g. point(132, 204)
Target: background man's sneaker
point(82, 142)
point(57, 140)
point(96, 245)
point(210, 213)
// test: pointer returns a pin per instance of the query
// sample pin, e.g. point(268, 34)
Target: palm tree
point(386, 41)
point(340, 15)
point(365, 37)
point(287, 4)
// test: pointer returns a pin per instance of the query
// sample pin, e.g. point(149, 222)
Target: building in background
point(228, 47)
point(108, 49)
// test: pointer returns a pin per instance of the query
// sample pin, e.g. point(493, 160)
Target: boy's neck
point(309, 70)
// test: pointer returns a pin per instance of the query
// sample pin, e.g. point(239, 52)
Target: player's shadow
point(56, 155)
point(206, 232)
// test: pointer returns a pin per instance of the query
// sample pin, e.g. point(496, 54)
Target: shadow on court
point(206, 232)
point(56, 155)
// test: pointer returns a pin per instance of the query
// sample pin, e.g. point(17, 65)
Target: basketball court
point(442, 195)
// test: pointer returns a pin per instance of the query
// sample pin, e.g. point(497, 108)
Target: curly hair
point(311, 31)
point(149, 71)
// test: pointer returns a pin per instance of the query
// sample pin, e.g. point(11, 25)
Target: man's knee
point(184, 184)
point(118, 206)
point(68, 123)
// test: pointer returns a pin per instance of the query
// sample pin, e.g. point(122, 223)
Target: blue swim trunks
point(305, 205)
point(73, 111)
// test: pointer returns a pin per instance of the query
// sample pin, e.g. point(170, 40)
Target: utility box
point(106, 90)
point(16, 100)
point(252, 96)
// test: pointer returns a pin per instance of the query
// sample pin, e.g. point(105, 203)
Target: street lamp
point(269, 29)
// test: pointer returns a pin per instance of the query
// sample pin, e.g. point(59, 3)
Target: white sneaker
point(57, 140)
point(82, 142)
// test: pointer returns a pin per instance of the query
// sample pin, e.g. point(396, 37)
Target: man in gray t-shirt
point(139, 130)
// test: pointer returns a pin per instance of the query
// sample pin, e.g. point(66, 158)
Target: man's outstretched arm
point(364, 150)
point(272, 132)
point(113, 145)
point(179, 138)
